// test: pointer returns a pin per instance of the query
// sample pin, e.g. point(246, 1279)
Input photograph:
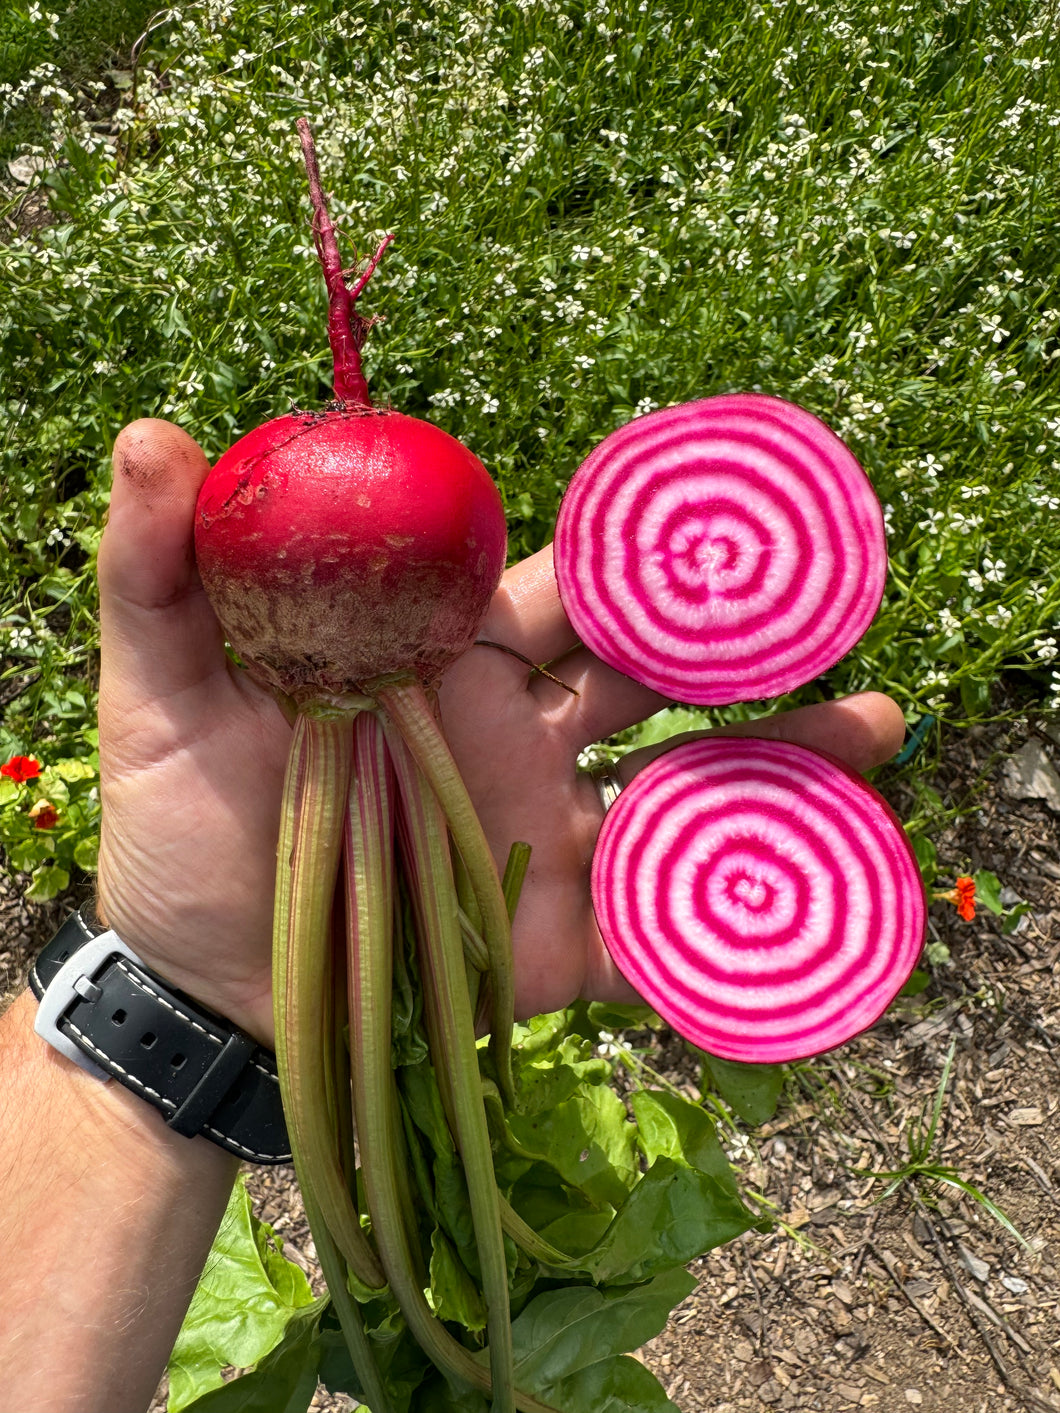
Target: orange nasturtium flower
point(44, 815)
point(963, 897)
point(20, 769)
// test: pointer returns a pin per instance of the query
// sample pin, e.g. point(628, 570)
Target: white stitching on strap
point(226, 1139)
point(113, 1064)
point(145, 985)
point(180, 1011)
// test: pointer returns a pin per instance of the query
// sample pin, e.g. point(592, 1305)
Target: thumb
point(158, 632)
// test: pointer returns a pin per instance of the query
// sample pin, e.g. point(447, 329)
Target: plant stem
point(425, 840)
point(310, 849)
point(370, 911)
point(405, 702)
point(346, 328)
point(348, 1312)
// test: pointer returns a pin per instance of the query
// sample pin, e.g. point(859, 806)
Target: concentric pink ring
point(704, 843)
point(721, 551)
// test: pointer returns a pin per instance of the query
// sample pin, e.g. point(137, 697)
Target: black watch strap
point(113, 1016)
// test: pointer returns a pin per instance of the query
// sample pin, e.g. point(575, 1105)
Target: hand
point(517, 738)
point(193, 752)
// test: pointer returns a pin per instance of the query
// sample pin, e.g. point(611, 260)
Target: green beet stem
point(405, 702)
point(348, 1312)
point(515, 876)
point(308, 857)
point(370, 912)
point(425, 840)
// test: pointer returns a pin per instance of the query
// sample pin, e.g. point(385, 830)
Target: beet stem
point(447, 1008)
point(405, 703)
point(308, 858)
point(347, 329)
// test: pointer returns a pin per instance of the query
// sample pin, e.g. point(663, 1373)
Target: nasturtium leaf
point(751, 1090)
point(86, 854)
point(242, 1305)
point(47, 882)
point(618, 1385)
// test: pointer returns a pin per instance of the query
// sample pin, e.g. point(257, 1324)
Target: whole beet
point(341, 546)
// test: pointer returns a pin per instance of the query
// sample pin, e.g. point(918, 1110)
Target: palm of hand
point(193, 755)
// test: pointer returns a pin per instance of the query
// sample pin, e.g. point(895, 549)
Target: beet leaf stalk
point(424, 837)
point(309, 856)
point(370, 883)
point(407, 705)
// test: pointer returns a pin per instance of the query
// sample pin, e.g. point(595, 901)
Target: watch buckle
point(75, 981)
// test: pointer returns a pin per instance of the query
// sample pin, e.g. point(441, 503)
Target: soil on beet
point(919, 1301)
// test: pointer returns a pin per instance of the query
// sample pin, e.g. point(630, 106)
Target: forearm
point(106, 1218)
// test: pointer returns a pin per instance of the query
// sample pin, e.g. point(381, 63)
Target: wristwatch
point(114, 1017)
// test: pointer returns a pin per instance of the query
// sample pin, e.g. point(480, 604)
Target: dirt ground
point(920, 1299)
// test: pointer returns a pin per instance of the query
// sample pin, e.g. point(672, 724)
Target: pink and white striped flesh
point(762, 897)
point(721, 551)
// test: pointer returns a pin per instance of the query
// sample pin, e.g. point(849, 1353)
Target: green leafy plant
point(923, 1170)
point(49, 818)
point(617, 1209)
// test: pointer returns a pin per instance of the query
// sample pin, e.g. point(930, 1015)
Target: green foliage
point(630, 1227)
point(49, 824)
point(53, 53)
point(247, 1299)
point(599, 209)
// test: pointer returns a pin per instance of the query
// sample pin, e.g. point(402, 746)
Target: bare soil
point(920, 1299)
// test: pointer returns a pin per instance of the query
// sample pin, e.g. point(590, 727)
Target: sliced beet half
point(762, 897)
point(721, 551)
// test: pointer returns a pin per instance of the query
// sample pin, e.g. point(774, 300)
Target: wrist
point(161, 942)
point(113, 1120)
point(105, 1011)
point(110, 1216)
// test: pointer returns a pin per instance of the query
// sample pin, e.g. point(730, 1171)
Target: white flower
point(1000, 617)
point(1045, 648)
point(949, 622)
point(994, 570)
point(490, 406)
point(644, 406)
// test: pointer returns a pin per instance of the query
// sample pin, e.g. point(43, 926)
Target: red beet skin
point(341, 546)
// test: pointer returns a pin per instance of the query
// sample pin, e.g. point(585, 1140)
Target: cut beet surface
point(721, 551)
point(760, 896)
